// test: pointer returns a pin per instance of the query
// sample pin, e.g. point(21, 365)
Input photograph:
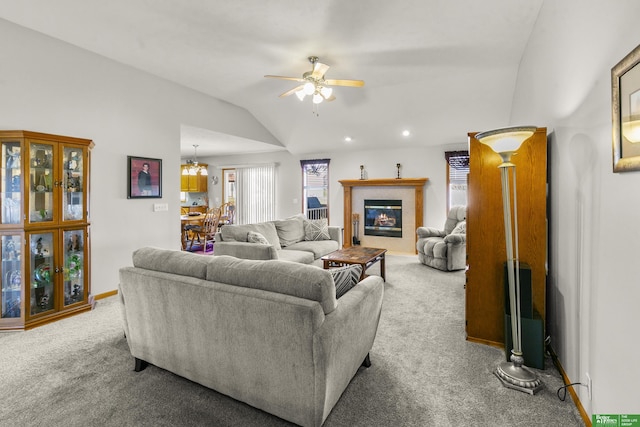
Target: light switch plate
point(160, 207)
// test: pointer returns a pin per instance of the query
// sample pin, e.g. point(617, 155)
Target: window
point(315, 188)
point(228, 186)
point(457, 171)
point(255, 193)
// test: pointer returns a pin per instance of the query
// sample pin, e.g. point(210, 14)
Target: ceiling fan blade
point(295, 79)
point(319, 70)
point(329, 99)
point(337, 82)
point(289, 92)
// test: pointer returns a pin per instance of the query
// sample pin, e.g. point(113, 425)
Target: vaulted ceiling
point(436, 68)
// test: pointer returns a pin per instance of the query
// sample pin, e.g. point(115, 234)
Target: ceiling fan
point(314, 84)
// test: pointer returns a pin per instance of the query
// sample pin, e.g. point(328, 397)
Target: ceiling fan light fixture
point(309, 88)
point(314, 84)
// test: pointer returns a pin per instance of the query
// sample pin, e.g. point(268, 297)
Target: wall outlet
point(589, 384)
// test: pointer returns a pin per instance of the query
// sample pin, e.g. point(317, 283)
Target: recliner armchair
point(445, 249)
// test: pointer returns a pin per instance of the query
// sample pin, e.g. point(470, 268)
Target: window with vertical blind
point(457, 171)
point(256, 193)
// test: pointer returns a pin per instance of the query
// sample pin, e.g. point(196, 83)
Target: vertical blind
point(255, 193)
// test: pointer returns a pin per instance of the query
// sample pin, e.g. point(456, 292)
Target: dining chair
point(227, 214)
point(206, 230)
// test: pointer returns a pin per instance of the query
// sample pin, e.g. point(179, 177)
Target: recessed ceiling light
point(347, 139)
point(406, 133)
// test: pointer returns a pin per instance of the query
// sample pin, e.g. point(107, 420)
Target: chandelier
point(192, 168)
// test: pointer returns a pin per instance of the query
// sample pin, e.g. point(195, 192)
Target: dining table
point(187, 220)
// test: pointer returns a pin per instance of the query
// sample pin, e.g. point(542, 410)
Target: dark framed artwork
point(144, 178)
point(625, 106)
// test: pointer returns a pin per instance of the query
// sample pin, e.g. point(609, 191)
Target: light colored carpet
point(78, 372)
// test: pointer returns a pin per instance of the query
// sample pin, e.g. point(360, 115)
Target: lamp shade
point(317, 98)
point(506, 140)
point(309, 88)
point(300, 94)
point(326, 91)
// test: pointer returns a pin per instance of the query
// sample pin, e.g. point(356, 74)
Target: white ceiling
point(437, 68)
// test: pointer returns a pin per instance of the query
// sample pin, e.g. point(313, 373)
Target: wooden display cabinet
point(486, 247)
point(197, 183)
point(44, 227)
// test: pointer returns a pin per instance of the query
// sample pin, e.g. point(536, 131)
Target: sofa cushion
point(316, 229)
point(290, 230)
point(170, 261)
point(290, 278)
point(254, 237)
point(318, 248)
point(345, 278)
point(238, 232)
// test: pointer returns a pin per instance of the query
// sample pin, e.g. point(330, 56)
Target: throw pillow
point(461, 228)
point(290, 230)
point(345, 278)
point(316, 229)
point(253, 237)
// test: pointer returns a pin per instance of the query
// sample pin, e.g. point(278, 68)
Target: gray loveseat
point(293, 239)
point(268, 333)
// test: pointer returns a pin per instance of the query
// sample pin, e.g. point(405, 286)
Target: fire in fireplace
point(383, 218)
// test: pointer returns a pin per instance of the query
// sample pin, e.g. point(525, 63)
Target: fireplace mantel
point(400, 182)
point(349, 184)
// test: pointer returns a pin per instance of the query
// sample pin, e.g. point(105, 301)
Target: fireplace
point(383, 218)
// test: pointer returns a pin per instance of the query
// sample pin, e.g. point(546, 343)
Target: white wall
point(52, 87)
point(565, 84)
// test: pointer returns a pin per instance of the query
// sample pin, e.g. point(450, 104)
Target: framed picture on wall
point(625, 106)
point(144, 178)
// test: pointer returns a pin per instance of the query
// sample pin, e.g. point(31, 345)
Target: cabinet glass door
point(41, 181)
point(74, 269)
point(42, 272)
point(11, 297)
point(10, 182)
point(73, 184)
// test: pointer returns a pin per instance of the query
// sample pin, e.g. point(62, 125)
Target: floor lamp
point(506, 142)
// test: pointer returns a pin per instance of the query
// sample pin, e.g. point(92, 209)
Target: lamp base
point(518, 378)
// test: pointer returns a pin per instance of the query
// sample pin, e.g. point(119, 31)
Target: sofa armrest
point(429, 232)
point(335, 233)
point(245, 250)
point(456, 238)
point(347, 335)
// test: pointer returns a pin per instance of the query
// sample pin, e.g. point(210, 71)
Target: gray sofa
point(445, 249)
point(292, 239)
point(268, 333)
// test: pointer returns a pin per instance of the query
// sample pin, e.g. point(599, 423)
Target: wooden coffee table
point(365, 257)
